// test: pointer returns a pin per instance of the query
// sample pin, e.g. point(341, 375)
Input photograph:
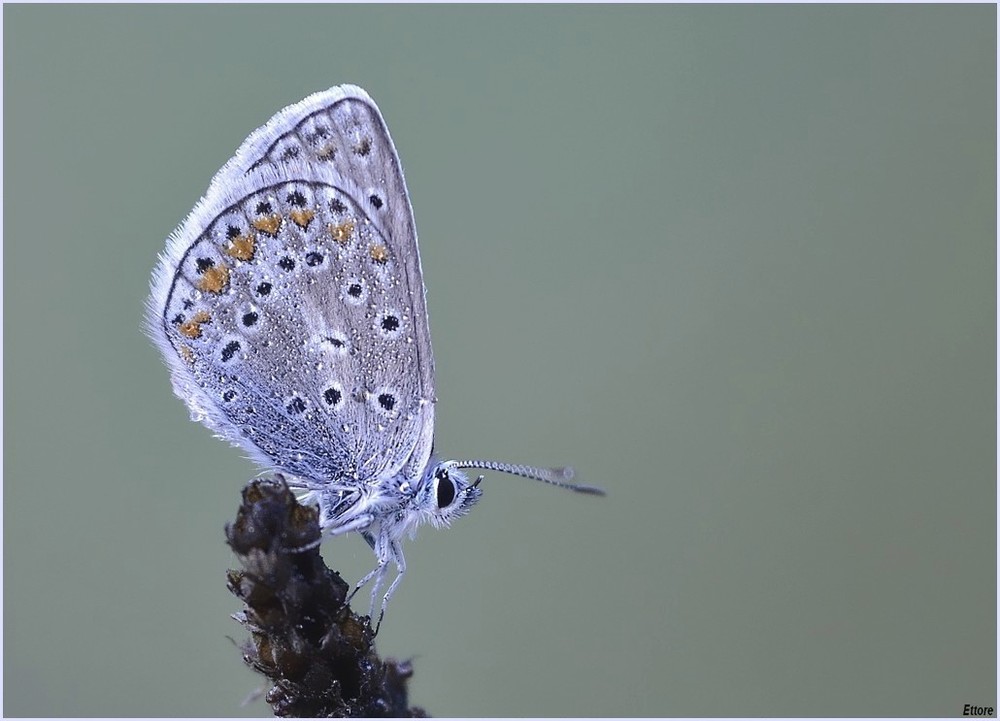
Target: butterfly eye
point(445, 490)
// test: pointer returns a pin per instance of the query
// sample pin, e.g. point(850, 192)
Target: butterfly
point(290, 309)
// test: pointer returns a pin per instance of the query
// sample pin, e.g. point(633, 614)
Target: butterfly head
point(445, 493)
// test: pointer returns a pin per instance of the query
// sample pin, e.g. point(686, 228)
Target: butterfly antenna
point(560, 477)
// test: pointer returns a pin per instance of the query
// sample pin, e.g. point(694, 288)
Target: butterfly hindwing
point(290, 304)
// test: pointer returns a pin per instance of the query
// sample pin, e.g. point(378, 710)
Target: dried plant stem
point(319, 655)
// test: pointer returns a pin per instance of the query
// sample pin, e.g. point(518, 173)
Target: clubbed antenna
point(560, 477)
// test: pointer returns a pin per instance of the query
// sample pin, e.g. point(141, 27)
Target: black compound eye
point(445, 490)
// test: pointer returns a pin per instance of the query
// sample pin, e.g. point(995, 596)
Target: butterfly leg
point(397, 556)
point(383, 571)
point(360, 523)
point(369, 576)
point(381, 546)
point(356, 524)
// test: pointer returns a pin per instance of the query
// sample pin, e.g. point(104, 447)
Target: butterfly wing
point(290, 304)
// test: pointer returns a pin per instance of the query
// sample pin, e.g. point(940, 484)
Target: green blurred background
point(737, 264)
